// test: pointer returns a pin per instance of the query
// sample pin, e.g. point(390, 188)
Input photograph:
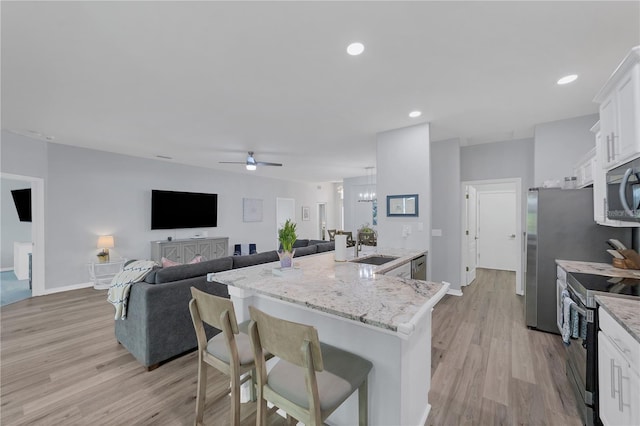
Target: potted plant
point(287, 237)
point(367, 235)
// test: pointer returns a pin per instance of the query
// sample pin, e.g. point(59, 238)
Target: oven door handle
point(581, 311)
point(622, 192)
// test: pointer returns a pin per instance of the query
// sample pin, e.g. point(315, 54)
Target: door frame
point(318, 220)
point(521, 215)
point(37, 231)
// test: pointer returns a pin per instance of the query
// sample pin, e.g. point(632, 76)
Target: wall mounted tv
point(172, 210)
point(22, 200)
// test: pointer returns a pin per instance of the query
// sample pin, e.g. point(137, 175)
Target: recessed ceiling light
point(355, 49)
point(568, 79)
point(415, 114)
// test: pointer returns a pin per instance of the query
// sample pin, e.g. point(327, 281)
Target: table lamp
point(105, 242)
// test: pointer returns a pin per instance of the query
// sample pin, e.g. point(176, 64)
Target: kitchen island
point(356, 307)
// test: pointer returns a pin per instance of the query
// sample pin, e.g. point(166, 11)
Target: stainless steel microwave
point(623, 192)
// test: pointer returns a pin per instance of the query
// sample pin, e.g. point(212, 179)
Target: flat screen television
point(173, 209)
point(22, 200)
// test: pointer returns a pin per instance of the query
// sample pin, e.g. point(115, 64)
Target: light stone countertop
point(625, 311)
point(595, 268)
point(359, 292)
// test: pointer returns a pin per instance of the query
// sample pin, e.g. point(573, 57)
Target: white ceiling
point(204, 82)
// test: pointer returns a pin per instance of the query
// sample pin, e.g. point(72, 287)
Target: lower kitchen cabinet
point(618, 377)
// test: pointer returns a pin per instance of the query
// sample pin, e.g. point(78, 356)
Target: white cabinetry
point(618, 376)
point(600, 188)
point(584, 169)
point(21, 259)
point(184, 251)
point(619, 101)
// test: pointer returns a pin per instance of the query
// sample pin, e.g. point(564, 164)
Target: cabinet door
point(205, 249)
point(189, 251)
point(171, 252)
point(618, 386)
point(608, 129)
point(627, 108)
point(219, 248)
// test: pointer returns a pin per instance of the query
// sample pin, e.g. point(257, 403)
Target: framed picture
point(402, 205)
point(305, 213)
point(251, 210)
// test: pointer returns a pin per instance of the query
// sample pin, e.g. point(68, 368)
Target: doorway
point(37, 230)
point(321, 226)
point(492, 228)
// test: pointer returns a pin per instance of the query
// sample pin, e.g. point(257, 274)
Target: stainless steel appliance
point(623, 192)
point(560, 225)
point(582, 356)
point(419, 268)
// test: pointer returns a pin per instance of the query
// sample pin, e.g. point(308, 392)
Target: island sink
point(374, 259)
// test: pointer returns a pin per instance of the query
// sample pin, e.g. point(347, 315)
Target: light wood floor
point(488, 368)
point(60, 364)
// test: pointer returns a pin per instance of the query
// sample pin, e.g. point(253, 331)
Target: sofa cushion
point(300, 243)
point(182, 272)
point(326, 246)
point(304, 251)
point(314, 242)
point(254, 259)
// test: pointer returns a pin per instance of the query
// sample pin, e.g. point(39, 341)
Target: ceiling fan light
point(251, 166)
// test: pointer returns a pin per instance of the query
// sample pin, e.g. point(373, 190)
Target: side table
point(102, 273)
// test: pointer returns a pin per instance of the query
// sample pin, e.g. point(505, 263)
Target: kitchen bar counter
point(595, 268)
point(354, 306)
point(625, 311)
point(355, 291)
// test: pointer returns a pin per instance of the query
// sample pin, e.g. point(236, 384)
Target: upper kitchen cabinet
point(600, 187)
point(584, 169)
point(619, 101)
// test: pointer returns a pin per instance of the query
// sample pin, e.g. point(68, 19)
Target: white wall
point(11, 228)
point(403, 167)
point(90, 192)
point(559, 145)
point(445, 199)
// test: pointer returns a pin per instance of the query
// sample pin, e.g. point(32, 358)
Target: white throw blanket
point(121, 284)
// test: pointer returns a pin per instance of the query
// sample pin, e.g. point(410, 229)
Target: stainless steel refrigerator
point(560, 225)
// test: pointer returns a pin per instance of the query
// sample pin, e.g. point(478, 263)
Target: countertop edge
point(606, 305)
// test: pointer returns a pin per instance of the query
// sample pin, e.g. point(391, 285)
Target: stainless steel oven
point(623, 192)
point(580, 357)
point(582, 354)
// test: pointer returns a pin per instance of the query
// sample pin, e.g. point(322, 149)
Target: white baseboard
point(455, 292)
point(65, 288)
point(6, 269)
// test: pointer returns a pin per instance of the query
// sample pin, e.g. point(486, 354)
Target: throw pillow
point(167, 263)
point(196, 259)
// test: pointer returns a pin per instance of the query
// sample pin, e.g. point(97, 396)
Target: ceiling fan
point(251, 162)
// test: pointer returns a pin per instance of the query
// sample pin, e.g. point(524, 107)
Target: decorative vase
point(286, 258)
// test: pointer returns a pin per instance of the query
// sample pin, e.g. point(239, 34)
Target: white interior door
point(471, 234)
point(497, 243)
point(322, 220)
point(285, 209)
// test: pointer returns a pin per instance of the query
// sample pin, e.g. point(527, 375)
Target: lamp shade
point(105, 241)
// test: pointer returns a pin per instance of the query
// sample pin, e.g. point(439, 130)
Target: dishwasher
point(419, 268)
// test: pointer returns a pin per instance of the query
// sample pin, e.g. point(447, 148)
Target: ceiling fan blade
point(262, 163)
point(232, 162)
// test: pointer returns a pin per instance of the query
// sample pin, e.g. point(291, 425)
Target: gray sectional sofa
point(158, 326)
